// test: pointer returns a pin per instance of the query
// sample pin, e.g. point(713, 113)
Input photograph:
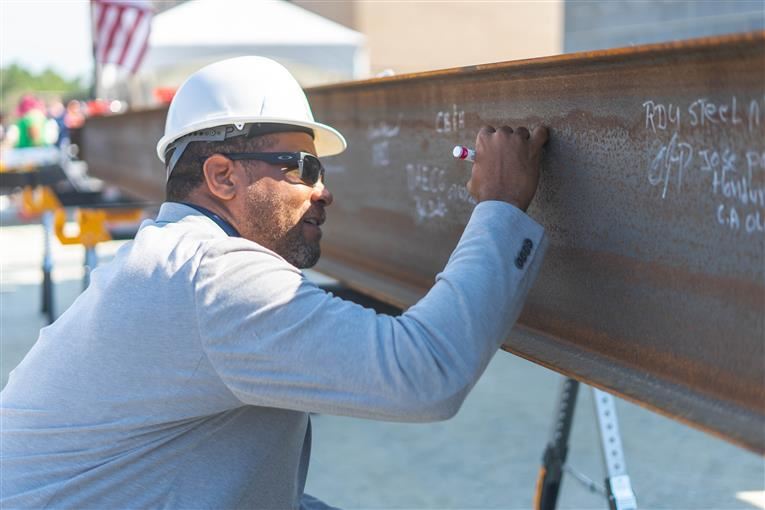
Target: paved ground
point(486, 457)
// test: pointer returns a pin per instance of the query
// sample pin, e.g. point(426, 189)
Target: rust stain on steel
point(652, 194)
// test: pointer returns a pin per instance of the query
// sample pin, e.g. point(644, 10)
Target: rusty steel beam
point(120, 150)
point(653, 195)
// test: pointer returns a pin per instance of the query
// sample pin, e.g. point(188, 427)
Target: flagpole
point(94, 86)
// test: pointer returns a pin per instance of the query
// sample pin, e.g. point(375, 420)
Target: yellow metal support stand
point(42, 201)
point(93, 229)
point(38, 200)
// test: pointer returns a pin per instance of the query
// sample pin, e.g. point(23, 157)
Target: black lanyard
point(223, 224)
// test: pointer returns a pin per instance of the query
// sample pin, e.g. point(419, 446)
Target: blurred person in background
point(30, 123)
point(74, 119)
point(32, 127)
point(57, 112)
point(2, 128)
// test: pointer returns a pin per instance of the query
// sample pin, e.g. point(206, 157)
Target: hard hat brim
point(328, 140)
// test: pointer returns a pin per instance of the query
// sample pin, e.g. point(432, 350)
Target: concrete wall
point(592, 25)
point(418, 36)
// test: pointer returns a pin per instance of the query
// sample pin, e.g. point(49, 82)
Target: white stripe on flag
point(122, 36)
point(132, 21)
point(106, 33)
point(137, 50)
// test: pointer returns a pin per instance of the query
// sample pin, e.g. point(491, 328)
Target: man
point(184, 375)
point(31, 128)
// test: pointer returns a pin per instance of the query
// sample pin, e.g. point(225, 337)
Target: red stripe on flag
point(113, 33)
point(126, 46)
point(98, 35)
point(101, 16)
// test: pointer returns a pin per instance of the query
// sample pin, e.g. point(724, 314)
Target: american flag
point(121, 31)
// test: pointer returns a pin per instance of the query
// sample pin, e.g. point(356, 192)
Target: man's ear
point(221, 176)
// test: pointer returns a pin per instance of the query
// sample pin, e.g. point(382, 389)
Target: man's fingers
point(483, 134)
point(539, 136)
point(523, 132)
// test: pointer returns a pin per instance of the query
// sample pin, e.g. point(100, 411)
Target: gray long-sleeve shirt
point(182, 377)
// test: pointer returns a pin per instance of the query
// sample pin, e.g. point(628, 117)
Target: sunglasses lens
point(312, 169)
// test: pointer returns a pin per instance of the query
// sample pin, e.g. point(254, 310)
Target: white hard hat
point(228, 98)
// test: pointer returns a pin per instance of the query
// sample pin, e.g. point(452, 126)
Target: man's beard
point(268, 223)
point(297, 250)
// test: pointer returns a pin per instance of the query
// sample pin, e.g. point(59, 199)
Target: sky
point(47, 33)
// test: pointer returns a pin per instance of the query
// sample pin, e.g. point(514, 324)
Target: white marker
point(462, 152)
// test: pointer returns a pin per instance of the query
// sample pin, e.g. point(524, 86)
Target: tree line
point(16, 81)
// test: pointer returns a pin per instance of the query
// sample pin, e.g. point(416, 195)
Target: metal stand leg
point(91, 261)
point(47, 267)
point(554, 459)
point(618, 486)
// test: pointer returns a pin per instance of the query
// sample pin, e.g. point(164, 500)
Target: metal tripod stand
point(618, 488)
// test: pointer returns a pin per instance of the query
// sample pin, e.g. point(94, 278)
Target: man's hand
point(507, 165)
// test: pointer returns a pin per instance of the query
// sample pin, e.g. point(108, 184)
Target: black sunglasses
point(309, 167)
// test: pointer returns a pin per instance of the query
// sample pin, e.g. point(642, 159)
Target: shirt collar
point(223, 224)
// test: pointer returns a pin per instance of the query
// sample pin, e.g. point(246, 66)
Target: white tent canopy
point(198, 32)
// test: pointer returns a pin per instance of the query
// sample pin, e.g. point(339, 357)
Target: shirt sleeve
point(308, 502)
point(278, 340)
